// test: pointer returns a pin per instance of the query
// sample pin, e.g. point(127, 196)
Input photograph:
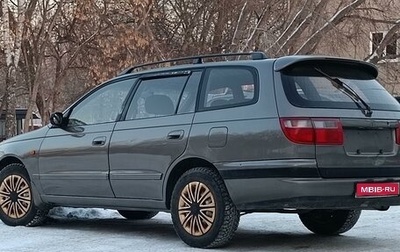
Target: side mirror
point(57, 119)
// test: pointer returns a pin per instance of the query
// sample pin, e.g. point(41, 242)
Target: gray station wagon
point(209, 141)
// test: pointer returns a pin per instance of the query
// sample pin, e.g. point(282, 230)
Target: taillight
point(320, 131)
point(298, 130)
point(398, 134)
point(328, 131)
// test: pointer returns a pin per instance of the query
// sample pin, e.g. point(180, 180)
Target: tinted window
point(156, 97)
point(229, 87)
point(189, 95)
point(104, 105)
point(305, 87)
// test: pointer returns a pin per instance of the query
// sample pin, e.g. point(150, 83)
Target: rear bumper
point(275, 185)
point(277, 194)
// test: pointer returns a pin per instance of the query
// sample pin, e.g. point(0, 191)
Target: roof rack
point(198, 59)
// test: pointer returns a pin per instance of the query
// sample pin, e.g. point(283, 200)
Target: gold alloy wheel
point(196, 208)
point(15, 196)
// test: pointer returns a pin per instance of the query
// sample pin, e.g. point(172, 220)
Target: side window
point(156, 97)
point(229, 87)
point(189, 95)
point(104, 105)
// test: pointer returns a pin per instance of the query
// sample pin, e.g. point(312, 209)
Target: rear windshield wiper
point(347, 90)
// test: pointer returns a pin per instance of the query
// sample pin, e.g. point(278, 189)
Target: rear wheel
point(203, 214)
point(330, 222)
point(137, 215)
point(17, 206)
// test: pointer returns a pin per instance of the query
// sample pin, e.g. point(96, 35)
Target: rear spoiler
point(287, 61)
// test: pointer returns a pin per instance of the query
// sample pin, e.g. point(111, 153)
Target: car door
point(153, 135)
point(227, 124)
point(73, 160)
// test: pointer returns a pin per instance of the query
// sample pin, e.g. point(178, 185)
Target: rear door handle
point(99, 141)
point(176, 134)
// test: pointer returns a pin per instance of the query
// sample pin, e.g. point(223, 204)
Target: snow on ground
point(99, 230)
point(83, 213)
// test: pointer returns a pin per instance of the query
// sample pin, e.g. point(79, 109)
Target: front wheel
point(17, 207)
point(330, 222)
point(203, 214)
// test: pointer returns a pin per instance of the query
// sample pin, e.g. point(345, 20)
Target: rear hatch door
point(370, 146)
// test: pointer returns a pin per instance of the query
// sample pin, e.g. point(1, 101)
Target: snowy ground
point(97, 230)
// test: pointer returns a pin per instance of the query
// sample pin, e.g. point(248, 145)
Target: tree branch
point(329, 25)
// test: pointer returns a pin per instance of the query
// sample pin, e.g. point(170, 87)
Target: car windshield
point(306, 87)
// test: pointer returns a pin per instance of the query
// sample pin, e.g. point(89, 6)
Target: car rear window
point(305, 87)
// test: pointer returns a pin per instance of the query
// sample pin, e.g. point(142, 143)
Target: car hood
point(39, 133)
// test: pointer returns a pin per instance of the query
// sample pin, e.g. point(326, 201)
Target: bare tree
point(12, 25)
point(36, 41)
point(70, 46)
point(96, 37)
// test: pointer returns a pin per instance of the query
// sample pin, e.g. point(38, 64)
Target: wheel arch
point(178, 170)
point(10, 160)
point(14, 160)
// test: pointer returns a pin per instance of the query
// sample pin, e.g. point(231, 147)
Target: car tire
point(137, 215)
point(330, 222)
point(203, 214)
point(17, 206)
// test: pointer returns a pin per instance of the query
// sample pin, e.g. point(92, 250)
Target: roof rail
point(198, 59)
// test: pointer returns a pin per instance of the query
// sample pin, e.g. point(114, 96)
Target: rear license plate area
point(368, 141)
